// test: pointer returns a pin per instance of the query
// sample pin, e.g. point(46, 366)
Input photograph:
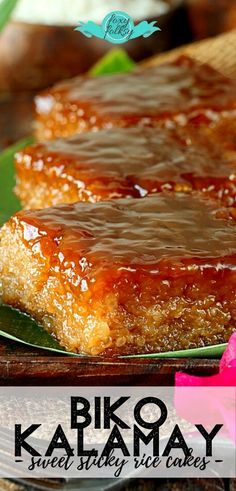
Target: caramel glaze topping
point(164, 236)
point(135, 162)
point(181, 86)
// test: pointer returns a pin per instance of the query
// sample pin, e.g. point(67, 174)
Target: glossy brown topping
point(220, 134)
point(165, 88)
point(123, 153)
point(127, 162)
point(172, 232)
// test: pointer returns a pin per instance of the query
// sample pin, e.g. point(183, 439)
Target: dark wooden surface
point(146, 485)
point(178, 485)
point(21, 365)
point(232, 485)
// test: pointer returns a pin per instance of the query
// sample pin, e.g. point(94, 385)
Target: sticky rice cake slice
point(177, 92)
point(131, 162)
point(125, 276)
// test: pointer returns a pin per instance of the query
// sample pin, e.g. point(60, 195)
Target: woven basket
point(219, 52)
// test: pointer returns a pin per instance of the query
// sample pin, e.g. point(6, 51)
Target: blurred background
point(38, 45)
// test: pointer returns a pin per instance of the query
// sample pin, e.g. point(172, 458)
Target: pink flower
point(210, 405)
point(226, 376)
point(228, 359)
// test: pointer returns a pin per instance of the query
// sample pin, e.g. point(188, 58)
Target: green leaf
point(6, 8)
point(17, 326)
point(206, 352)
point(115, 61)
point(9, 203)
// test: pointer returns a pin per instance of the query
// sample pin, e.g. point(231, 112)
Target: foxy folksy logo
point(117, 27)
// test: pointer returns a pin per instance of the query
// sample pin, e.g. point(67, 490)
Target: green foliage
point(6, 8)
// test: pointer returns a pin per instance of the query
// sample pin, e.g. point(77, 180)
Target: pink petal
point(227, 378)
point(188, 407)
point(191, 403)
point(229, 357)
